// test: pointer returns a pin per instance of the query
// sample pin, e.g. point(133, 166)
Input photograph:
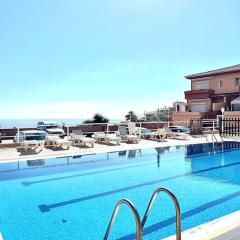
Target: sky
point(72, 58)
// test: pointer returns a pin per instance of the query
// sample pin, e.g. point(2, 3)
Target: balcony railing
point(198, 94)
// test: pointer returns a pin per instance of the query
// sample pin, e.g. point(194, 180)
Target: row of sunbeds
point(77, 138)
point(164, 133)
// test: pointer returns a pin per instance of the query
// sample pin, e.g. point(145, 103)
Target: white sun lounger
point(80, 140)
point(176, 135)
point(107, 138)
point(32, 145)
point(56, 142)
point(132, 128)
point(158, 135)
point(128, 137)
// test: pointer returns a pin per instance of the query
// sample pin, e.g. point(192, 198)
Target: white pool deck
point(12, 154)
point(224, 228)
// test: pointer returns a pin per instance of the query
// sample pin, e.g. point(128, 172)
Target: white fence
point(7, 133)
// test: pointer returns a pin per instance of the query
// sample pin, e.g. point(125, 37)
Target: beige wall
point(229, 83)
point(232, 114)
point(183, 118)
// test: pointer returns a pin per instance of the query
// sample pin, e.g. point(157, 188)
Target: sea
point(10, 123)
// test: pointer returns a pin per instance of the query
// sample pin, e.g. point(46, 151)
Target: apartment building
point(212, 90)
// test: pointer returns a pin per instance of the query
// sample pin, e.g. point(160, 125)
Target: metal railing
point(198, 126)
point(135, 214)
point(140, 224)
point(177, 208)
point(9, 133)
point(230, 127)
point(210, 124)
point(91, 128)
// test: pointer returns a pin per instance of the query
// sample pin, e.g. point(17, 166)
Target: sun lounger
point(32, 145)
point(128, 137)
point(176, 135)
point(56, 142)
point(132, 128)
point(80, 140)
point(107, 138)
point(158, 135)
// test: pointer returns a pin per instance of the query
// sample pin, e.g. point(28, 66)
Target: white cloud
point(77, 110)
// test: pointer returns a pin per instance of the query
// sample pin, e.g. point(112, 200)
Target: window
point(221, 82)
point(201, 85)
point(199, 107)
point(178, 108)
point(237, 81)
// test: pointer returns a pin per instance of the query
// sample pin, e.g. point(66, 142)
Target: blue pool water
point(73, 198)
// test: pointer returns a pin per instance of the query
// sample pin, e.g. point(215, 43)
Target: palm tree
point(131, 116)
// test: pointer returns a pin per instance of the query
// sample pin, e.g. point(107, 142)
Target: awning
point(236, 101)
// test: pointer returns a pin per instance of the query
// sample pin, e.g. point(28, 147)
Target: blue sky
point(69, 59)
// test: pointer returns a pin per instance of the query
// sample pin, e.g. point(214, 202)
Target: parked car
point(30, 135)
point(180, 129)
point(0, 138)
point(144, 131)
point(51, 128)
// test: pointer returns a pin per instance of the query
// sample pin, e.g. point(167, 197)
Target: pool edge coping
point(211, 229)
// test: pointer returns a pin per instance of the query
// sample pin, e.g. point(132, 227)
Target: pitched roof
point(232, 69)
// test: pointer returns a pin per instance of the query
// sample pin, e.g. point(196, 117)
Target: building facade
point(212, 90)
point(179, 106)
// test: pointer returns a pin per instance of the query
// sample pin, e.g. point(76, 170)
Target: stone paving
point(13, 154)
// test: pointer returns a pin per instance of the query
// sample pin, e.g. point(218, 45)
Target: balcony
point(198, 94)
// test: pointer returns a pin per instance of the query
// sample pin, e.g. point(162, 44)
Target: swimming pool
point(73, 198)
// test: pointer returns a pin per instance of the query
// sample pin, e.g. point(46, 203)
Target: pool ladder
point(140, 224)
point(213, 133)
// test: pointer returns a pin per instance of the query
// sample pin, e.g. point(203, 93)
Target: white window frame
point(200, 103)
point(221, 83)
point(201, 82)
point(237, 82)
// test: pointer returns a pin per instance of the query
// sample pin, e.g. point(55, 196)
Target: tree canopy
point(97, 118)
point(132, 116)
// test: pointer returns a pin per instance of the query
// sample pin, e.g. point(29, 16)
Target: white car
point(180, 129)
point(29, 135)
point(51, 128)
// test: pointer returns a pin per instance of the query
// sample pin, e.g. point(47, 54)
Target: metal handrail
point(177, 207)
point(136, 216)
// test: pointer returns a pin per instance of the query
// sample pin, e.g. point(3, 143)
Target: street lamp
point(168, 115)
point(222, 110)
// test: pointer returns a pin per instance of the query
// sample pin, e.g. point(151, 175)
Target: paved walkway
point(13, 154)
